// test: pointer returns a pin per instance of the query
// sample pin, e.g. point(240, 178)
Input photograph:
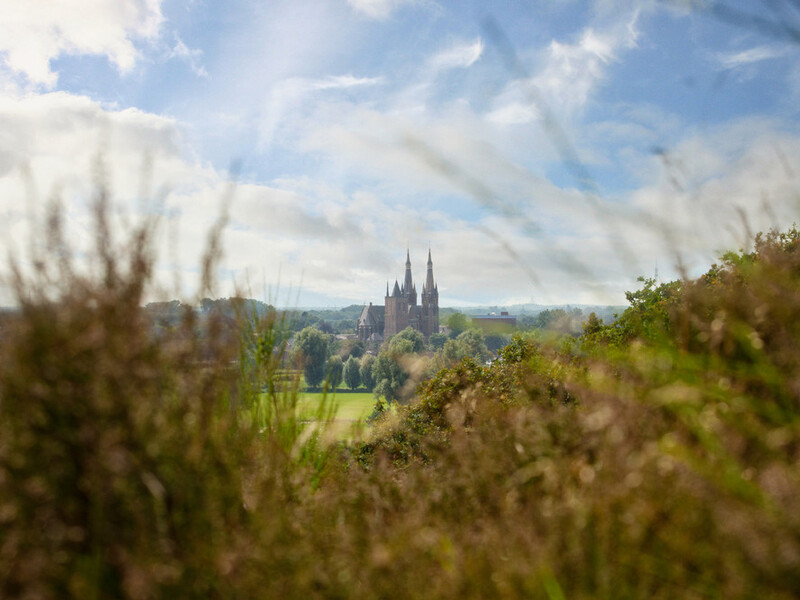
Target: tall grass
point(657, 458)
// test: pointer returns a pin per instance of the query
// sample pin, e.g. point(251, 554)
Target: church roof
point(371, 315)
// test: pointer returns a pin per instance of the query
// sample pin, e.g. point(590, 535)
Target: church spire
point(408, 284)
point(429, 283)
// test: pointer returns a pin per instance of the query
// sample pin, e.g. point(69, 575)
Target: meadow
point(350, 410)
point(350, 406)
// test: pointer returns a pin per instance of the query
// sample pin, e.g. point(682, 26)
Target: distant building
point(370, 324)
point(492, 323)
point(400, 309)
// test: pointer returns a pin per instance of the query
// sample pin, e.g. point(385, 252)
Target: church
point(400, 309)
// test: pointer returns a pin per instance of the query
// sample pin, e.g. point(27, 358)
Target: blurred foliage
point(654, 457)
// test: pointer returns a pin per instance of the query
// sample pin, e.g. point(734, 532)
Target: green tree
point(458, 323)
point(549, 318)
point(469, 343)
point(366, 372)
point(345, 326)
point(648, 318)
point(415, 338)
point(437, 341)
point(350, 348)
point(592, 325)
point(335, 369)
point(311, 348)
point(496, 341)
point(352, 373)
point(325, 327)
point(451, 352)
point(389, 375)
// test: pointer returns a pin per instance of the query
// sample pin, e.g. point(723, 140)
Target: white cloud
point(34, 33)
point(378, 9)
point(732, 60)
point(532, 241)
point(296, 234)
point(342, 82)
point(438, 154)
point(571, 72)
point(459, 55)
point(499, 230)
point(192, 57)
point(566, 75)
point(535, 240)
point(714, 189)
point(287, 99)
point(293, 234)
point(513, 113)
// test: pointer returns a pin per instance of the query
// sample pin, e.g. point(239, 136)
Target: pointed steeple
point(387, 289)
point(396, 291)
point(408, 284)
point(429, 282)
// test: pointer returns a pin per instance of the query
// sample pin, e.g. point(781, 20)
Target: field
point(350, 409)
point(350, 406)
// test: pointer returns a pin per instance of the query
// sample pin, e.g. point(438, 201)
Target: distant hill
point(343, 319)
point(607, 312)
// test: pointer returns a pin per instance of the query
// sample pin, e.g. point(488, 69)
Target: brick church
point(400, 309)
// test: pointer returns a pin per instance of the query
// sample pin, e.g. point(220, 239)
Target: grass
point(350, 409)
point(350, 406)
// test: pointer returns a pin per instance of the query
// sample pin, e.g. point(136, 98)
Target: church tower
point(409, 291)
point(400, 305)
point(429, 318)
point(396, 311)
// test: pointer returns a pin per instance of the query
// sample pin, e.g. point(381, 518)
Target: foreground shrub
point(120, 463)
point(665, 466)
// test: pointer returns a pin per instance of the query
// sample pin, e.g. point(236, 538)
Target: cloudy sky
point(547, 151)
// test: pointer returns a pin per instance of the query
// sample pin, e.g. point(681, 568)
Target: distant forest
point(343, 320)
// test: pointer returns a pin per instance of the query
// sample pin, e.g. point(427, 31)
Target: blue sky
point(546, 152)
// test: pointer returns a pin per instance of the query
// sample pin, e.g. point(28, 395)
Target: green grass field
point(350, 406)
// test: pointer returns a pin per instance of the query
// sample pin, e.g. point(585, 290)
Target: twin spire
point(408, 288)
point(430, 284)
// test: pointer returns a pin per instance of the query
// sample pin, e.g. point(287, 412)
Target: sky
point(545, 152)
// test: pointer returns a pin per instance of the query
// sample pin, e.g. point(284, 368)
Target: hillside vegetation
point(656, 457)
